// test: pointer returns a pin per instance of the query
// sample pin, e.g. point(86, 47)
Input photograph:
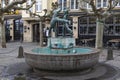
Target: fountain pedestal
point(61, 42)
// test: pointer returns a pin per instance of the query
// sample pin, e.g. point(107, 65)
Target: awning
point(12, 17)
point(31, 19)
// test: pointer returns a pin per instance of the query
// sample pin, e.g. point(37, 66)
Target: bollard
point(110, 54)
point(20, 52)
point(20, 76)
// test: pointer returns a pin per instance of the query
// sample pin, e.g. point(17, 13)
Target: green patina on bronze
point(66, 25)
point(55, 19)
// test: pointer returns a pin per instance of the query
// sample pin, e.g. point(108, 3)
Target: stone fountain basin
point(58, 62)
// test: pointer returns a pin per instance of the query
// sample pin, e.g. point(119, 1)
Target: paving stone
point(4, 79)
point(1, 69)
point(9, 59)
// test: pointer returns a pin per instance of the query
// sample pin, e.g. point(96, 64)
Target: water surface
point(46, 50)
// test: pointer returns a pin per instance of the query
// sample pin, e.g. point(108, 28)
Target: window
point(7, 24)
point(117, 21)
point(87, 25)
point(92, 20)
point(88, 6)
point(63, 4)
point(98, 3)
point(17, 26)
point(92, 29)
point(7, 30)
point(84, 4)
point(117, 24)
point(117, 29)
point(101, 3)
point(73, 4)
point(109, 20)
point(29, 2)
point(76, 4)
point(3, 4)
point(118, 4)
point(38, 5)
point(82, 25)
point(82, 29)
point(61, 29)
point(104, 3)
point(83, 20)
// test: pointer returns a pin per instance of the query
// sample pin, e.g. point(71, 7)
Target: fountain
point(61, 53)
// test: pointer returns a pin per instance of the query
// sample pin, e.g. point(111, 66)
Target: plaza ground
point(10, 65)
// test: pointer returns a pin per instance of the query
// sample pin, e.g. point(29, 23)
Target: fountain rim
point(94, 51)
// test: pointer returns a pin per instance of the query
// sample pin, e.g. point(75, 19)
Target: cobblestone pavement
point(10, 65)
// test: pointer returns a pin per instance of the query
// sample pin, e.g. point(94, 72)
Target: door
point(7, 30)
point(36, 33)
point(18, 29)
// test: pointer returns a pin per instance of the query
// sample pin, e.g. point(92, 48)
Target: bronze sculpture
point(55, 19)
point(66, 25)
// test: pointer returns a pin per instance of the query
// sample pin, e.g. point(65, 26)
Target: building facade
point(31, 24)
point(13, 23)
point(83, 25)
point(20, 25)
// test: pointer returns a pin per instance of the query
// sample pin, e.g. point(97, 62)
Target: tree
point(7, 8)
point(101, 14)
point(46, 17)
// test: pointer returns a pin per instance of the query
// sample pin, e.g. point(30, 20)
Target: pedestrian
point(47, 32)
